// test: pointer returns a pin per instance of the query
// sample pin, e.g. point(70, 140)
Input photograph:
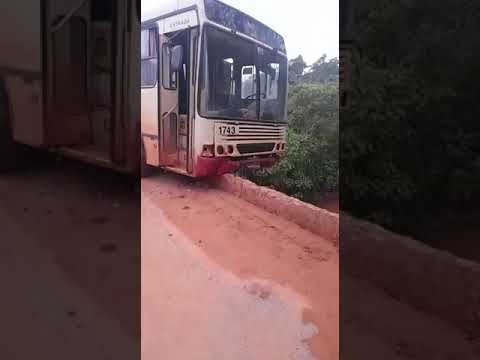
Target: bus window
point(248, 81)
point(273, 71)
point(263, 84)
point(169, 77)
point(149, 58)
point(225, 86)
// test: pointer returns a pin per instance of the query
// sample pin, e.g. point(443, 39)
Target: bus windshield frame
point(237, 21)
point(240, 79)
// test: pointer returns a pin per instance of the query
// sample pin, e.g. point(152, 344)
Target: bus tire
point(145, 169)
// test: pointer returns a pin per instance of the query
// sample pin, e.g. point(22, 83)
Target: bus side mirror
point(176, 58)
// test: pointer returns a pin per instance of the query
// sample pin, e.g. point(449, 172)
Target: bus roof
point(220, 13)
point(165, 7)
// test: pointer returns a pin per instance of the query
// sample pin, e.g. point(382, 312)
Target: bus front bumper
point(206, 167)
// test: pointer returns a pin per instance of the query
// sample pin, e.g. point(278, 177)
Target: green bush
point(410, 140)
point(310, 164)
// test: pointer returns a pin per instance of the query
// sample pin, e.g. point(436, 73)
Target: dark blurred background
point(69, 190)
point(410, 162)
point(410, 137)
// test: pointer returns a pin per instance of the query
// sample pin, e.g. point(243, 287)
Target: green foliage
point(375, 130)
point(310, 164)
point(411, 136)
point(313, 106)
point(323, 71)
point(296, 68)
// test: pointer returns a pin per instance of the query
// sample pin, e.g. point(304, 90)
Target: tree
point(323, 71)
point(296, 68)
point(410, 139)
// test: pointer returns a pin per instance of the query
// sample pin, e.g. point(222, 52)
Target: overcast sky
point(310, 27)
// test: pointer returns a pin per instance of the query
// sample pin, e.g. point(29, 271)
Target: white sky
point(310, 27)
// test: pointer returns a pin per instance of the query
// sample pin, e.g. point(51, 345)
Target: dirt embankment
point(329, 201)
point(312, 218)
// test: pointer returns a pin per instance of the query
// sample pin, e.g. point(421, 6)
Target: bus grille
point(255, 148)
point(252, 132)
point(250, 138)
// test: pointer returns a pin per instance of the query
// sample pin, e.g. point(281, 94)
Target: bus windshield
point(241, 80)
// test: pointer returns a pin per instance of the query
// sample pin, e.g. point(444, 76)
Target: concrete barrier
point(426, 278)
point(317, 220)
point(432, 280)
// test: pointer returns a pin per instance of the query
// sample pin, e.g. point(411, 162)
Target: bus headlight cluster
point(225, 150)
point(208, 151)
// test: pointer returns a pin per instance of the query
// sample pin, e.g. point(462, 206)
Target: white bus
point(213, 84)
point(213, 89)
point(70, 79)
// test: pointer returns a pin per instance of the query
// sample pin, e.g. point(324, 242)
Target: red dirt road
point(230, 280)
point(223, 279)
point(69, 264)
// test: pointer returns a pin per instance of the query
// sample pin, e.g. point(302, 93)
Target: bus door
point(49, 96)
point(149, 95)
point(188, 125)
point(67, 45)
point(168, 109)
point(159, 99)
point(21, 65)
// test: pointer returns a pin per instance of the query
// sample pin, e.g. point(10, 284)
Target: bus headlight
point(208, 151)
point(220, 150)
